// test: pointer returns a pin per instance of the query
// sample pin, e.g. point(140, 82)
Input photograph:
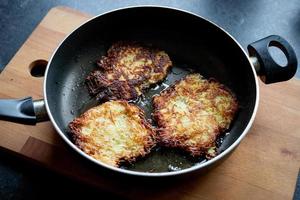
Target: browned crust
point(149, 142)
point(105, 89)
point(122, 86)
point(165, 136)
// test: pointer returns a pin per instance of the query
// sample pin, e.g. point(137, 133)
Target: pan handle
point(268, 70)
point(24, 111)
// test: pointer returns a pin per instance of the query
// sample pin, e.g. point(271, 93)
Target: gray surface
point(247, 21)
point(297, 190)
point(23, 180)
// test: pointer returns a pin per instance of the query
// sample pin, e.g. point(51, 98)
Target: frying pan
point(193, 43)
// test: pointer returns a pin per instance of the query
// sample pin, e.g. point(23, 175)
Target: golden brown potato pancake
point(113, 132)
point(127, 69)
point(192, 113)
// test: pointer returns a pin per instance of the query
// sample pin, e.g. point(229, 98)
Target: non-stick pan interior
point(193, 45)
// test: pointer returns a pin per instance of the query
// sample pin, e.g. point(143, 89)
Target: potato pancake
point(192, 113)
point(113, 132)
point(127, 70)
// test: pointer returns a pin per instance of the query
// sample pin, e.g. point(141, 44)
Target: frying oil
point(160, 159)
point(163, 159)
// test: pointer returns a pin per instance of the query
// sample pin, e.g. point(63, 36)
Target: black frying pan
point(193, 43)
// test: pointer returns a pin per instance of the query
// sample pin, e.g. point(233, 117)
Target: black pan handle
point(268, 70)
point(24, 111)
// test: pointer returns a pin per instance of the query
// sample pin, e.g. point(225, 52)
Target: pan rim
point(155, 174)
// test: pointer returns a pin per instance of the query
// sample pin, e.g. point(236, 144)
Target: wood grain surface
point(264, 166)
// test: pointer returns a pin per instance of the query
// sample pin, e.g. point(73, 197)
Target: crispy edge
point(98, 85)
point(163, 135)
point(104, 89)
point(79, 140)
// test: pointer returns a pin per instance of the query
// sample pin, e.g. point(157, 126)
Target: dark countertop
point(247, 21)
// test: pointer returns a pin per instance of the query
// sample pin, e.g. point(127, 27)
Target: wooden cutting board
point(264, 166)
